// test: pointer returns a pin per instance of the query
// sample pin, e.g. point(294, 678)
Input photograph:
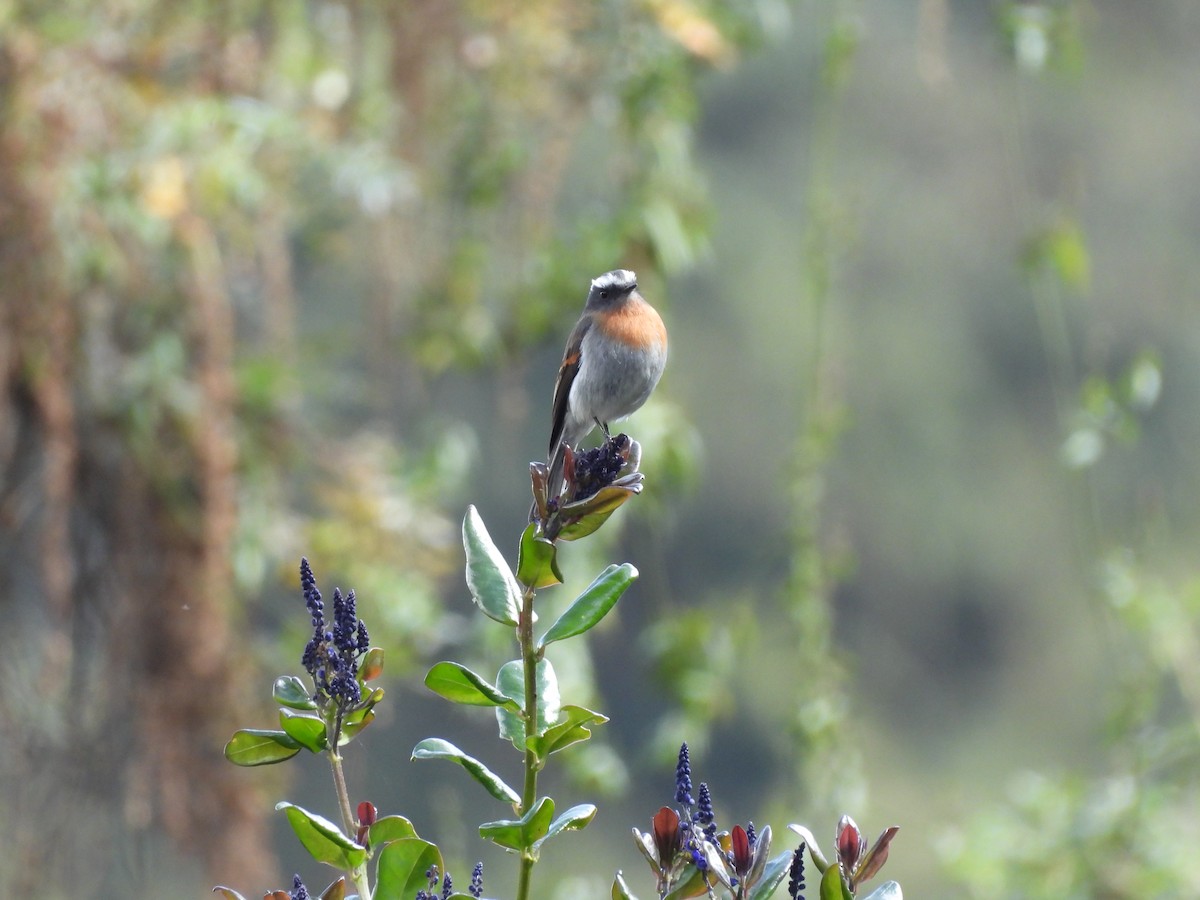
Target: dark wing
point(566, 377)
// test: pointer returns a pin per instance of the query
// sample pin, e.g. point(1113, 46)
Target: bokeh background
point(918, 536)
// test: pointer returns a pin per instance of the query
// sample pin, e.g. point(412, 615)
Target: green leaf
point(459, 684)
point(573, 819)
point(358, 719)
point(571, 730)
point(491, 582)
point(511, 683)
point(335, 891)
point(814, 849)
point(524, 833)
point(620, 890)
point(599, 506)
point(695, 885)
point(361, 717)
point(889, 890)
point(260, 747)
point(758, 863)
point(832, 886)
point(436, 748)
point(353, 725)
point(510, 680)
point(306, 730)
point(390, 828)
point(290, 691)
point(774, 873)
point(322, 839)
point(228, 893)
point(537, 560)
point(644, 841)
point(715, 861)
point(402, 865)
point(593, 604)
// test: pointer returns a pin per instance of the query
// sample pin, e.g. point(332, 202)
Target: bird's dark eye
point(604, 295)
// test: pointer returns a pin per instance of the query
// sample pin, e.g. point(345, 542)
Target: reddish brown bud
point(665, 826)
point(366, 818)
point(743, 858)
point(850, 844)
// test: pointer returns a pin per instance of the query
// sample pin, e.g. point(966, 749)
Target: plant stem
point(530, 718)
point(343, 795)
point(358, 874)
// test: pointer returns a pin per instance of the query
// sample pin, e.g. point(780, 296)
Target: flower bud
point(850, 844)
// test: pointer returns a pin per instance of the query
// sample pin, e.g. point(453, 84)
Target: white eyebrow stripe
point(621, 278)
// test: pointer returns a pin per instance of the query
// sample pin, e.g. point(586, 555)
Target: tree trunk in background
point(122, 673)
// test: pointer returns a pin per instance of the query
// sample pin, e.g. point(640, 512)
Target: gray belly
point(613, 383)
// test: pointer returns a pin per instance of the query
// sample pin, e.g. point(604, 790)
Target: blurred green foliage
point(254, 243)
point(378, 194)
point(933, 336)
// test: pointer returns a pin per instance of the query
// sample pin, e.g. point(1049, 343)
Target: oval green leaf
point(390, 828)
point(832, 886)
point(573, 819)
point(510, 680)
point(436, 748)
point(306, 730)
point(696, 884)
point(402, 865)
point(571, 730)
point(774, 873)
point(524, 833)
point(810, 842)
point(360, 718)
point(228, 893)
point(537, 560)
point(366, 710)
point(715, 860)
point(491, 582)
point(260, 747)
point(459, 684)
point(335, 891)
point(595, 511)
point(511, 683)
point(322, 839)
point(351, 728)
point(762, 847)
point(593, 604)
point(290, 691)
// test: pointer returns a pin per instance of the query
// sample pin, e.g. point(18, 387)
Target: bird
point(614, 358)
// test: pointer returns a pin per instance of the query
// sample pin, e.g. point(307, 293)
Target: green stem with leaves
point(529, 658)
point(359, 873)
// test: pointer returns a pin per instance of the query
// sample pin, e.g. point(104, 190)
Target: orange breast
point(636, 324)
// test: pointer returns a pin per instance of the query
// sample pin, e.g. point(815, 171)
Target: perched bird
point(614, 358)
